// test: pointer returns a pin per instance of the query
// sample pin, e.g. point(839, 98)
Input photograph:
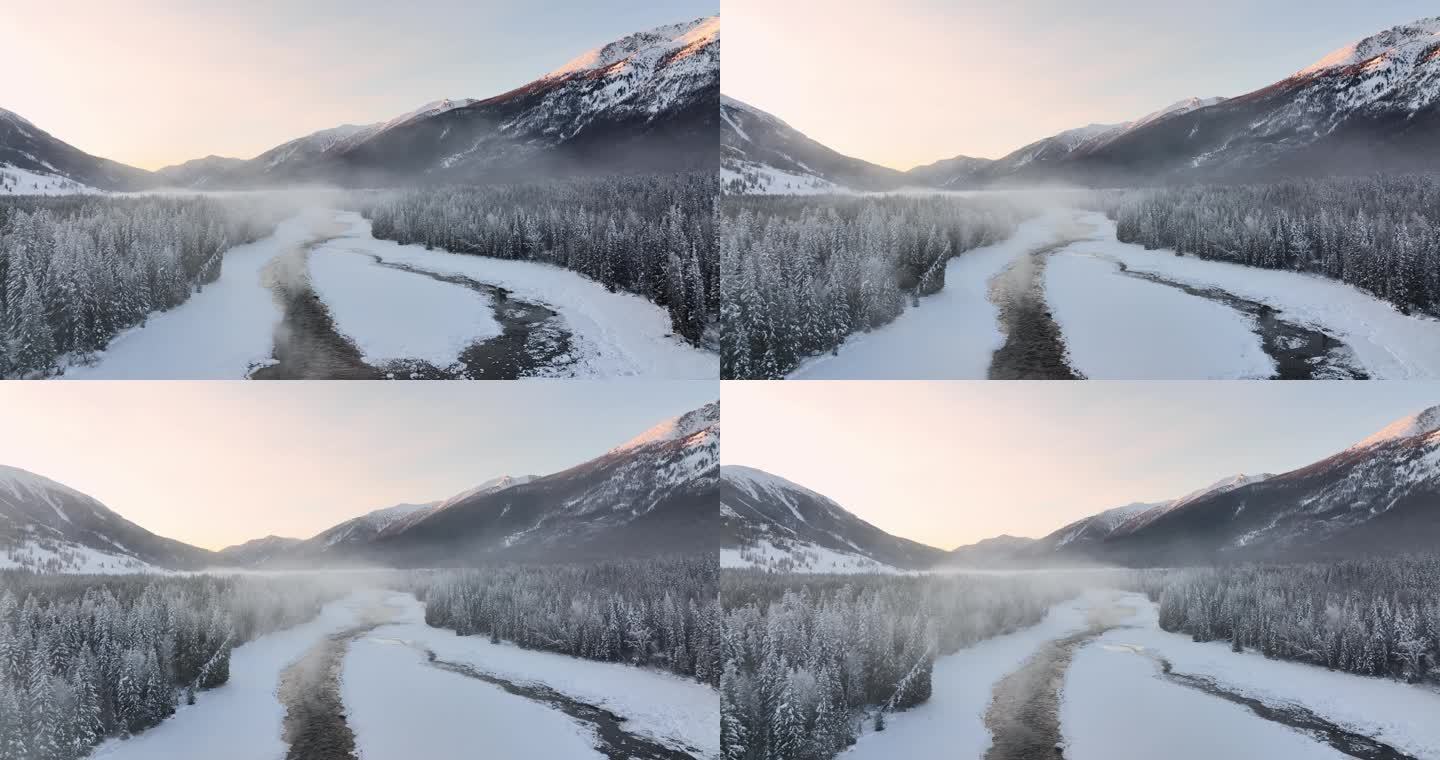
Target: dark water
point(613, 740)
point(1033, 349)
point(1024, 715)
point(315, 725)
point(308, 345)
point(1300, 352)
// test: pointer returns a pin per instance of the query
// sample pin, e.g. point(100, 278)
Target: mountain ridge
point(1373, 105)
point(647, 102)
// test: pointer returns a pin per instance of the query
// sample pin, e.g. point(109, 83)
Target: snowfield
point(445, 716)
point(391, 315)
point(17, 181)
point(1398, 714)
point(1101, 314)
point(674, 711)
point(953, 333)
point(223, 331)
point(1388, 344)
point(801, 557)
point(616, 334)
point(773, 181)
point(72, 558)
point(1114, 708)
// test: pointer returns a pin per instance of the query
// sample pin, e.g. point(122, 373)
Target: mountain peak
point(490, 486)
point(677, 428)
point(13, 479)
point(1407, 41)
point(12, 116)
point(1427, 421)
point(677, 40)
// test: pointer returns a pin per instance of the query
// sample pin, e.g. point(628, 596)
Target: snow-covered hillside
point(762, 155)
point(16, 181)
point(654, 494)
point(48, 525)
point(774, 523)
point(1376, 496)
point(40, 555)
point(40, 163)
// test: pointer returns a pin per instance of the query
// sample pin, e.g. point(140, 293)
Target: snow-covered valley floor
point(1122, 312)
point(406, 691)
point(1102, 681)
point(322, 298)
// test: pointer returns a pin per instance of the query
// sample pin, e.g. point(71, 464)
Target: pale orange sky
point(908, 82)
point(949, 464)
point(157, 82)
point(217, 463)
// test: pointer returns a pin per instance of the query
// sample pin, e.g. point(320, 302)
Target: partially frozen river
point(1062, 298)
point(323, 299)
point(1098, 680)
point(369, 679)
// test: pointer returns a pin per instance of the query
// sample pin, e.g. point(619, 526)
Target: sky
point(949, 464)
point(152, 83)
point(908, 82)
point(219, 463)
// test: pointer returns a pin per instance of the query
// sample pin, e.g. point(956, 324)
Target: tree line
point(83, 658)
point(1380, 234)
point(1373, 617)
point(659, 613)
point(649, 235)
point(75, 271)
point(799, 274)
point(808, 659)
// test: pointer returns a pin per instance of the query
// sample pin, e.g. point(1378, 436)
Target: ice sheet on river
point(1388, 344)
point(616, 334)
point(1123, 328)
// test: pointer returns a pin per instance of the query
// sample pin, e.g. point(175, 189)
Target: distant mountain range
point(1379, 496)
point(652, 495)
point(1370, 106)
point(646, 102)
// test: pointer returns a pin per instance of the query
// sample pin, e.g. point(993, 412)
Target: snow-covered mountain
point(45, 522)
point(773, 523)
point(351, 540)
point(645, 102)
point(654, 494)
point(35, 162)
point(955, 173)
point(760, 154)
point(1369, 106)
point(1380, 495)
point(199, 172)
point(998, 552)
point(362, 530)
point(1038, 159)
point(1373, 105)
point(257, 552)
